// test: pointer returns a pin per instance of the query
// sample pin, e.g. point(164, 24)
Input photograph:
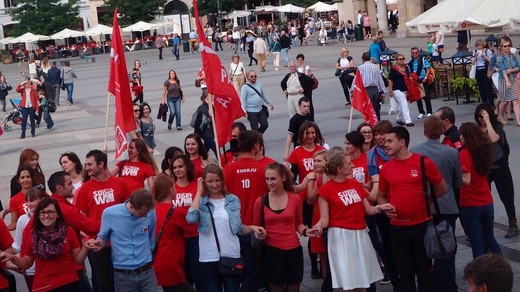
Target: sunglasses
point(136, 110)
point(400, 59)
point(506, 46)
point(252, 76)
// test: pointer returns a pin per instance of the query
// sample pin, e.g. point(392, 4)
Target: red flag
point(119, 86)
point(361, 102)
point(226, 100)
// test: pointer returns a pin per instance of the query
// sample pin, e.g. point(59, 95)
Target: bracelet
point(377, 209)
point(311, 179)
point(304, 232)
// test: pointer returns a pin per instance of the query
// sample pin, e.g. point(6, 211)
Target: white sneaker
point(428, 115)
point(420, 116)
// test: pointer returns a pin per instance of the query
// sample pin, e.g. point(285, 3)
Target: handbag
point(473, 72)
point(439, 239)
point(315, 82)
point(159, 234)
point(257, 245)
point(227, 266)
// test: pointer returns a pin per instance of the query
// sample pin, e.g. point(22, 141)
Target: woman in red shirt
point(183, 174)
point(198, 154)
point(315, 180)
point(28, 157)
point(17, 204)
point(367, 131)
point(354, 146)
point(476, 202)
point(311, 141)
point(343, 205)
point(282, 255)
point(138, 168)
point(169, 248)
point(54, 247)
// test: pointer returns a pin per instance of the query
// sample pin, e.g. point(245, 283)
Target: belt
point(137, 271)
point(296, 93)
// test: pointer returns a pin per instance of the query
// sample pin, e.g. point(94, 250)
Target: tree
point(43, 16)
point(132, 11)
point(211, 6)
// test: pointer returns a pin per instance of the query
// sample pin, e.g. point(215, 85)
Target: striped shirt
point(371, 76)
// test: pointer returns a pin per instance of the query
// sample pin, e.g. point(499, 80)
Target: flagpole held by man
point(362, 103)
point(119, 86)
point(226, 103)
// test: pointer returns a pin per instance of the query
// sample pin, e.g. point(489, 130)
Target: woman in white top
point(481, 59)
point(71, 164)
point(300, 65)
point(237, 73)
point(344, 63)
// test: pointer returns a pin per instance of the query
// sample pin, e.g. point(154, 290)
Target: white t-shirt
point(239, 69)
point(229, 242)
point(439, 38)
point(17, 243)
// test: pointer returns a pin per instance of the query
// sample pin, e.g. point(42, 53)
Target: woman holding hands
point(218, 215)
point(343, 205)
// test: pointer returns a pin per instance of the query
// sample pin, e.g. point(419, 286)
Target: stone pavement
point(81, 127)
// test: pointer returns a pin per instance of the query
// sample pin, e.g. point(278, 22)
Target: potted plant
point(459, 85)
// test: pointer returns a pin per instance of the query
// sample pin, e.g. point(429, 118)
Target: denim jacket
point(203, 216)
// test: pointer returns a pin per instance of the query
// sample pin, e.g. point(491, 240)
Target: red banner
point(119, 86)
point(226, 100)
point(361, 101)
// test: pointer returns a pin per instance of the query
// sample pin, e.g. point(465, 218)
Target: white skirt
point(352, 258)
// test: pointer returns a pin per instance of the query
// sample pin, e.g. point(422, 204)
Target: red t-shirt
point(303, 160)
point(93, 197)
point(345, 203)
point(6, 240)
point(18, 204)
point(401, 180)
point(360, 169)
point(182, 201)
point(265, 161)
point(226, 158)
point(169, 260)
point(135, 173)
point(199, 166)
point(75, 219)
point(477, 193)
point(281, 228)
point(52, 273)
point(245, 178)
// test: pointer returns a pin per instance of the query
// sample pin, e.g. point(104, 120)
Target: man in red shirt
point(61, 187)
point(245, 178)
point(451, 132)
point(94, 196)
point(400, 183)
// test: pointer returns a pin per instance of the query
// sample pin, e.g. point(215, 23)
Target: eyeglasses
point(400, 59)
point(252, 76)
point(366, 133)
point(137, 110)
point(415, 52)
point(47, 213)
point(506, 46)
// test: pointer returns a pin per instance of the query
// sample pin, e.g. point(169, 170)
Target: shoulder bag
point(439, 240)
point(257, 245)
point(197, 82)
point(264, 108)
point(159, 234)
point(227, 266)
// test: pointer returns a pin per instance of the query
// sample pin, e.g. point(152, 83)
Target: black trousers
point(251, 58)
point(258, 118)
point(373, 94)
point(102, 266)
point(484, 84)
point(426, 99)
point(504, 184)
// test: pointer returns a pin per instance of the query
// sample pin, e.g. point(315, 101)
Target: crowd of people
point(190, 214)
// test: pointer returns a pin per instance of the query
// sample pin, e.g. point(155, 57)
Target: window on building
point(8, 3)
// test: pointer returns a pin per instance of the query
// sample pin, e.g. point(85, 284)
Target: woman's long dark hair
point(282, 171)
point(42, 205)
point(190, 168)
point(492, 117)
point(202, 149)
point(479, 147)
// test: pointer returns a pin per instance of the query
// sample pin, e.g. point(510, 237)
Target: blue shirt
point(203, 216)
point(251, 101)
point(132, 238)
point(426, 66)
point(375, 51)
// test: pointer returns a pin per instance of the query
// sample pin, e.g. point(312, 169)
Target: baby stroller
point(13, 116)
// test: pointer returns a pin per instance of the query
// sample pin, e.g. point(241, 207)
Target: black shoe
point(410, 124)
point(401, 123)
point(169, 126)
point(315, 274)
point(22, 137)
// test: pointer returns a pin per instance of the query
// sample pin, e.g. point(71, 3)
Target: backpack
point(51, 105)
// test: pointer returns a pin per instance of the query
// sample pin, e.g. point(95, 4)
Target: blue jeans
point(130, 282)
point(285, 57)
point(478, 224)
point(175, 51)
point(70, 90)
point(444, 269)
point(47, 118)
point(174, 104)
point(213, 280)
point(28, 113)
